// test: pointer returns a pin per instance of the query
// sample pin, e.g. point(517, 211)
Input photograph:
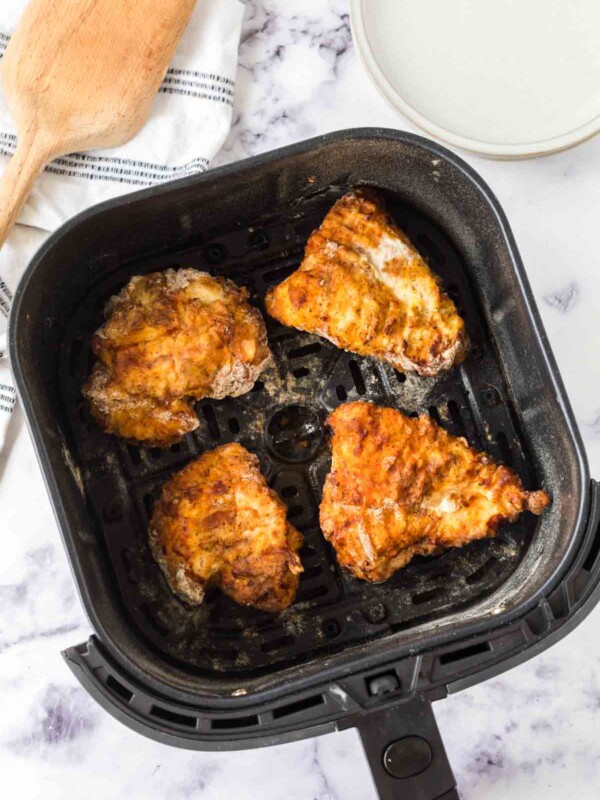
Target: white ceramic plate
point(505, 78)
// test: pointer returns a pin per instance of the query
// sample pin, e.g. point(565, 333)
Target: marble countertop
point(531, 732)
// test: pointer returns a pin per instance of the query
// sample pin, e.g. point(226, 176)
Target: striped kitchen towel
point(189, 122)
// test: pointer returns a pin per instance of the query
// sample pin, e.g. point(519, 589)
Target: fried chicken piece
point(171, 337)
point(218, 523)
point(402, 486)
point(363, 286)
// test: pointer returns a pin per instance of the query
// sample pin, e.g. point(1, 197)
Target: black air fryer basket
point(347, 653)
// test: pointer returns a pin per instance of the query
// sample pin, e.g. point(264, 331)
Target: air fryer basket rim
point(351, 659)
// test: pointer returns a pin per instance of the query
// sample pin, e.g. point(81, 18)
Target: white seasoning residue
point(365, 540)
point(73, 468)
point(388, 249)
point(447, 505)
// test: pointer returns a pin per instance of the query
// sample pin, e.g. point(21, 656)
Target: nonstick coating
point(250, 222)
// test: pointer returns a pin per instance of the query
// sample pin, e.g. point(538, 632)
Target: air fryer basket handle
point(406, 753)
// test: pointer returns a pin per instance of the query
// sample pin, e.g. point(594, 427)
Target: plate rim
point(500, 150)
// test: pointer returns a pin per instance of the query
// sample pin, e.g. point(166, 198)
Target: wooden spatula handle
point(30, 158)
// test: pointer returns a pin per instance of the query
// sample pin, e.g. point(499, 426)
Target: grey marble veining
point(531, 733)
point(563, 299)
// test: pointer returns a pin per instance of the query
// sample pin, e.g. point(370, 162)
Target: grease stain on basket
point(341, 695)
point(73, 468)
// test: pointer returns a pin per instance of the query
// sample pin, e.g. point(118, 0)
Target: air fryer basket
point(346, 652)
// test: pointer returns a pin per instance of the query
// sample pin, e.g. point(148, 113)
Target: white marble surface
point(531, 733)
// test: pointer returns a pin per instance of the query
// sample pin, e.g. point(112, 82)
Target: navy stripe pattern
point(187, 83)
point(7, 398)
point(5, 299)
point(111, 168)
point(203, 85)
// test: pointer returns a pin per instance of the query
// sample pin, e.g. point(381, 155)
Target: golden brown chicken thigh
point(218, 523)
point(171, 337)
point(402, 486)
point(363, 286)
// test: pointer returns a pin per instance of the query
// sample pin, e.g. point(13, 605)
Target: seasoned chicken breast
point(363, 286)
point(218, 523)
point(402, 486)
point(171, 337)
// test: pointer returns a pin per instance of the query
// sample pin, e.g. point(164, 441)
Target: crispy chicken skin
point(363, 286)
point(171, 337)
point(402, 486)
point(218, 523)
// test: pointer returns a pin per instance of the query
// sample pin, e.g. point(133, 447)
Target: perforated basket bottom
point(282, 421)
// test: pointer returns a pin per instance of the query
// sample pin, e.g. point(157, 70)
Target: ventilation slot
point(172, 716)
point(465, 652)
point(559, 602)
point(211, 422)
point(234, 425)
point(537, 621)
point(357, 377)
point(481, 573)
point(430, 594)
point(313, 593)
point(233, 722)
point(592, 556)
point(148, 504)
point(311, 572)
point(276, 644)
point(134, 455)
point(227, 633)
point(384, 683)
point(289, 491)
point(341, 392)
point(115, 686)
point(307, 551)
point(301, 372)
point(305, 350)
point(299, 705)
point(455, 415)
point(435, 415)
point(223, 653)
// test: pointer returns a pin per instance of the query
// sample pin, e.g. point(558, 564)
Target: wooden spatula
point(80, 75)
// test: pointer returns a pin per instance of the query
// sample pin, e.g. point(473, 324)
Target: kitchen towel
point(189, 122)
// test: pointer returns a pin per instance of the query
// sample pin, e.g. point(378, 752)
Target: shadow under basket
point(346, 653)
